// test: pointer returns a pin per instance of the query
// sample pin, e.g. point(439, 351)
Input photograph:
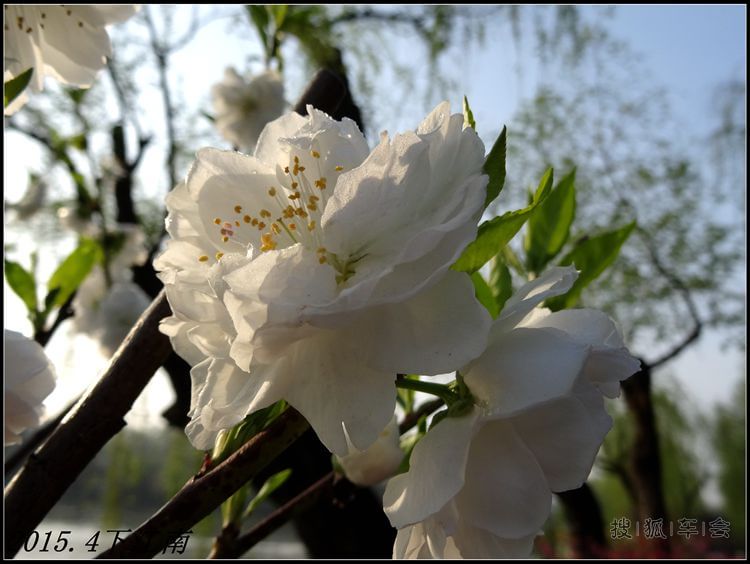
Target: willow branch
point(96, 418)
point(205, 492)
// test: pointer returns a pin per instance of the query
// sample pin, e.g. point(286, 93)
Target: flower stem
point(440, 390)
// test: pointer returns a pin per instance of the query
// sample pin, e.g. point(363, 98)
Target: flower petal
point(437, 331)
point(333, 390)
point(524, 368)
point(223, 182)
point(555, 281)
point(436, 472)
point(506, 492)
point(565, 436)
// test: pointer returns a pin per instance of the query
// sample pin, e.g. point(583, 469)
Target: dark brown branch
point(205, 492)
point(237, 546)
point(587, 524)
point(229, 545)
point(96, 418)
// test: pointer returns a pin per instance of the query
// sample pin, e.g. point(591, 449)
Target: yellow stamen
point(219, 255)
point(315, 154)
point(203, 258)
point(339, 168)
point(246, 219)
point(265, 213)
point(225, 238)
point(238, 209)
point(272, 191)
point(217, 221)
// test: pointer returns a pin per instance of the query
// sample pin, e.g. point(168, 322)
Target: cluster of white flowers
point(42, 38)
point(29, 377)
point(316, 270)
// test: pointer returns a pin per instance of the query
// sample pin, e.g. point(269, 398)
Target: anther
point(203, 258)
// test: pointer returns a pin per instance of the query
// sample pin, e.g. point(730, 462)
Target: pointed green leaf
point(548, 228)
point(469, 116)
point(15, 86)
point(484, 294)
point(591, 257)
point(269, 486)
point(494, 234)
point(494, 167)
point(73, 270)
point(501, 283)
point(22, 282)
point(259, 16)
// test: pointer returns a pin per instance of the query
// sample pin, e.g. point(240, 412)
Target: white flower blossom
point(480, 485)
point(243, 108)
point(315, 271)
point(376, 463)
point(67, 42)
point(29, 379)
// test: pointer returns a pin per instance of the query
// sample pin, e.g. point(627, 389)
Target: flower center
point(292, 212)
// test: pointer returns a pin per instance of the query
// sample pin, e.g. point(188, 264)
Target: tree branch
point(205, 492)
point(96, 418)
point(229, 545)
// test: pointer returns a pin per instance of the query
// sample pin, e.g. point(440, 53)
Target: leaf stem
point(440, 390)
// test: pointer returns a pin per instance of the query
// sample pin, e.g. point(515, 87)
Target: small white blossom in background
point(107, 313)
point(480, 485)
point(316, 270)
point(29, 377)
point(378, 462)
point(242, 107)
point(67, 42)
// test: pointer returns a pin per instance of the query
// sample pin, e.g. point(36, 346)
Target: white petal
point(555, 281)
point(437, 331)
point(376, 463)
point(268, 150)
point(609, 361)
point(506, 492)
point(474, 542)
point(221, 180)
point(436, 472)
point(332, 389)
point(523, 368)
point(564, 436)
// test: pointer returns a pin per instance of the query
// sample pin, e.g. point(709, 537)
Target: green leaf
point(73, 270)
point(484, 294)
point(549, 227)
point(79, 141)
point(279, 14)
point(494, 234)
point(15, 86)
point(591, 256)
point(259, 16)
point(494, 167)
point(22, 282)
point(269, 486)
point(469, 116)
point(501, 283)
